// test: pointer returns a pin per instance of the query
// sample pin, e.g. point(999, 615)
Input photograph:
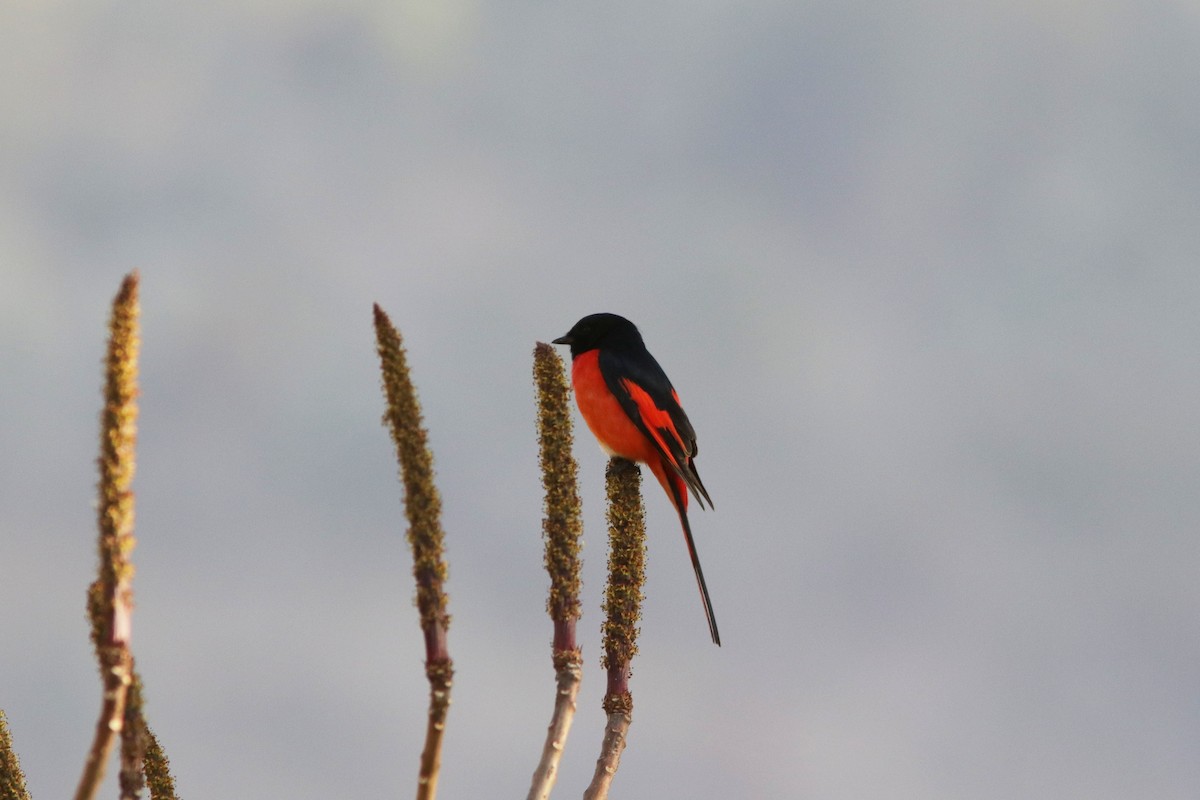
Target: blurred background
point(925, 276)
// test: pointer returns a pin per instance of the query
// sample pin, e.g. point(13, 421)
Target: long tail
point(708, 609)
point(677, 491)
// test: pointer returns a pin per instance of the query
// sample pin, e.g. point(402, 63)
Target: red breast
point(603, 413)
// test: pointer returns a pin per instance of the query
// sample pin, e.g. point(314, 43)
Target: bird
point(633, 410)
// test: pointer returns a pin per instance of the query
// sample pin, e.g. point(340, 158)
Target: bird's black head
point(601, 330)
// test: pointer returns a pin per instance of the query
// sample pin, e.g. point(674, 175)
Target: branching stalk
point(110, 598)
point(561, 530)
point(12, 779)
point(422, 507)
point(623, 606)
point(158, 770)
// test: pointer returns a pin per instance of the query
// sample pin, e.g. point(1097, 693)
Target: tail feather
point(693, 481)
point(677, 489)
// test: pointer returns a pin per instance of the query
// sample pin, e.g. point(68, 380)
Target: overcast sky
point(926, 277)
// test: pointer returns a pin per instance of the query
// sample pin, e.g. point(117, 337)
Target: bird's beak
point(566, 339)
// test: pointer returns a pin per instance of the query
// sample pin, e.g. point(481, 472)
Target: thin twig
point(619, 710)
point(110, 598)
point(133, 743)
point(422, 507)
point(623, 606)
point(561, 529)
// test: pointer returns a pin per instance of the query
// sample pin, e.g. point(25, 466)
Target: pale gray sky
point(925, 277)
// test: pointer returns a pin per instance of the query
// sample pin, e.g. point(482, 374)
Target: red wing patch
point(658, 423)
point(638, 419)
